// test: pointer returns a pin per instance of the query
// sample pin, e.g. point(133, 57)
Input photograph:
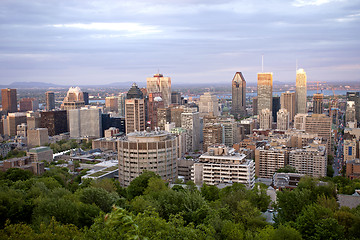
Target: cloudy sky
point(94, 42)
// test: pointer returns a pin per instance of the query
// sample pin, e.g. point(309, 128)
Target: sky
point(80, 42)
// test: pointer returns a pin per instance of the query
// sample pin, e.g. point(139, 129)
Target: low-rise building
point(40, 154)
point(221, 165)
point(353, 168)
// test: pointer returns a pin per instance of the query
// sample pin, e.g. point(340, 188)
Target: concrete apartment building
point(269, 160)
point(287, 101)
point(232, 131)
point(149, 150)
point(311, 160)
point(191, 122)
point(238, 96)
point(283, 119)
point(85, 122)
point(353, 169)
point(350, 149)
point(301, 91)
point(212, 134)
point(300, 120)
point(319, 124)
point(265, 119)
point(37, 137)
point(163, 117)
point(221, 165)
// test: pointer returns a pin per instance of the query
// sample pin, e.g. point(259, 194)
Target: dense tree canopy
point(57, 206)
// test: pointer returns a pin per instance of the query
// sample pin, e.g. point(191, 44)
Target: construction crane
point(317, 84)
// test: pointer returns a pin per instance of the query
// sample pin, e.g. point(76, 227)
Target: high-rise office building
point(74, 99)
point(33, 120)
point(162, 84)
point(176, 98)
point(155, 151)
point(85, 122)
point(111, 104)
point(275, 107)
point(321, 125)
point(283, 119)
point(191, 122)
point(300, 120)
point(265, 119)
point(86, 98)
point(301, 91)
point(255, 105)
point(355, 97)
point(28, 104)
point(50, 100)
point(121, 104)
point(287, 101)
point(9, 100)
point(135, 115)
point(318, 106)
point(11, 121)
point(55, 121)
point(264, 91)
point(176, 115)
point(208, 104)
point(154, 103)
point(232, 131)
point(238, 93)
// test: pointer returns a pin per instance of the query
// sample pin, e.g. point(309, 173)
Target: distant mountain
point(30, 85)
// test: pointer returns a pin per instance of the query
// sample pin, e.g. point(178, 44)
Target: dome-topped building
point(74, 99)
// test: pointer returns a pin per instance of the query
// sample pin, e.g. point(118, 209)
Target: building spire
point(262, 63)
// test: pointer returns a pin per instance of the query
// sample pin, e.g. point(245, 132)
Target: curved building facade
point(154, 151)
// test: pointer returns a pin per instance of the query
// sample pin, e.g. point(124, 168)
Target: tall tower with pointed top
point(301, 91)
point(238, 108)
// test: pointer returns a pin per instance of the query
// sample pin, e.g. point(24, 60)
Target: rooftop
point(39, 149)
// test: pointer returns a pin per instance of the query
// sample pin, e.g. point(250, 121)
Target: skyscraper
point(283, 119)
point(287, 101)
point(318, 107)
point(264, 91)
point(208, 104)
point(28, 104)
point(74, 99)
point(265, 117)
point(121, 104)
point(9, 100)
point(111, 104)
point(85, 122)
point(50, 100)
point(238, 108)
point(134, 110)
point(301, 91)
point(162, 84)
point(275, 107)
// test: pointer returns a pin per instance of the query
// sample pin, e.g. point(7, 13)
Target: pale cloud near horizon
point(114, 41)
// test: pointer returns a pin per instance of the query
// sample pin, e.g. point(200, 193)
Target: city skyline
point(121, 41)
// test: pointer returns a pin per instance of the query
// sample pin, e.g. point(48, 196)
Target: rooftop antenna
point(262, 63)
point(296, 64)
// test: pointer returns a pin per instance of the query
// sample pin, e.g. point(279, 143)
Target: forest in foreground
point(57, 205)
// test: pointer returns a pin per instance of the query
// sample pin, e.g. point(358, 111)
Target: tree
point(16, 174)
point(98, 196)
point(210, 193)
point(139, 184)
